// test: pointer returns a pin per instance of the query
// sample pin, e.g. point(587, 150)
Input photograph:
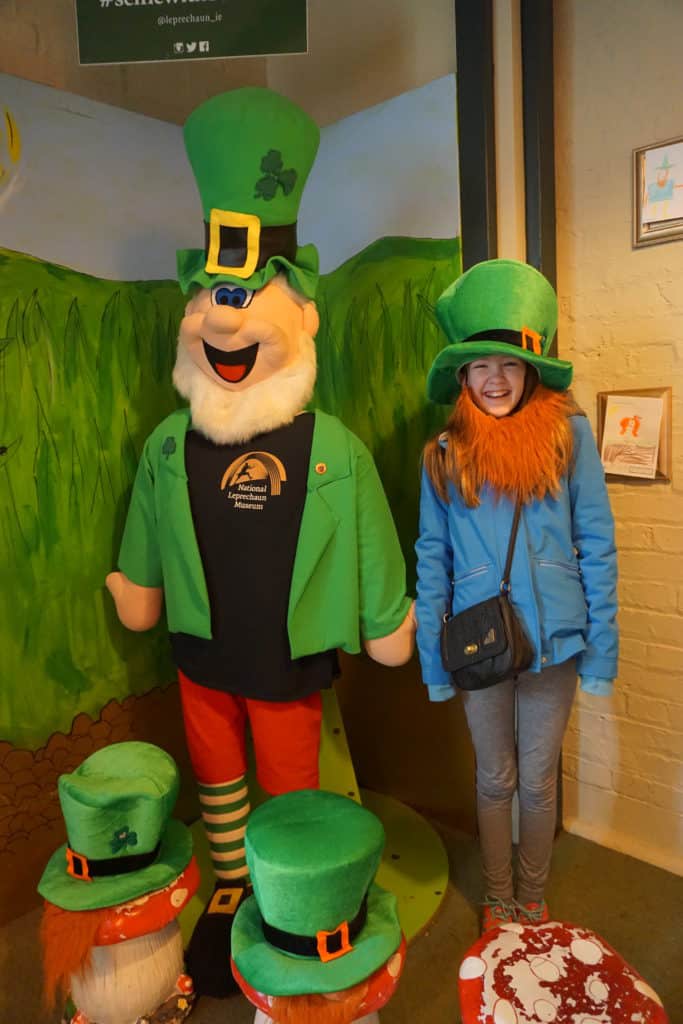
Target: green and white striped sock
point(225, 809)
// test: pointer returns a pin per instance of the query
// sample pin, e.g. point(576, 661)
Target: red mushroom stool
point(552, 973)
point(381, 987)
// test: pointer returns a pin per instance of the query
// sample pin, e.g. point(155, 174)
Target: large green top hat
point(121, 841)
point(251, 151)
point(499, 307)
point(316, 922)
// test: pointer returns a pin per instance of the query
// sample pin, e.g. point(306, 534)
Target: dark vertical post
point(539, 164)
point(539, 150)
point(476, 136)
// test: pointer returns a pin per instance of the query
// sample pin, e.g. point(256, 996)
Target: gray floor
point(637, 908)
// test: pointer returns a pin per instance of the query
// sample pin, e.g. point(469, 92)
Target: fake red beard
point(67, 938)
point(523, 454)
point(316, 1009)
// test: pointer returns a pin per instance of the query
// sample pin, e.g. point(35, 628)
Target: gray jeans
point(543, 702)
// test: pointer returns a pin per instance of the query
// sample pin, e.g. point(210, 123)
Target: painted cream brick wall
point(618, 84)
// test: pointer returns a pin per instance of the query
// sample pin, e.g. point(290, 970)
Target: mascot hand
point(397, 647)
point(137, 607)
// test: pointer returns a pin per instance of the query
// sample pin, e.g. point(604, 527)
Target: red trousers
point(286, 737)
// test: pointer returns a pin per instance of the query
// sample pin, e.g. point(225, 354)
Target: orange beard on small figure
point(525, 453)
point(318, 1009)
point(67, 938)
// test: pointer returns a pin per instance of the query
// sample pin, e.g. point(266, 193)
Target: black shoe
point(208, 954)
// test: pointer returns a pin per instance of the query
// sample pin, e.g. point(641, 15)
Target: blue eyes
point(229, 295)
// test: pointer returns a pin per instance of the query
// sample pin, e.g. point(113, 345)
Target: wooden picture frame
point(658, 193)
point(664, 461)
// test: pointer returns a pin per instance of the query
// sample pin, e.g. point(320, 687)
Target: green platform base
point(414, 865)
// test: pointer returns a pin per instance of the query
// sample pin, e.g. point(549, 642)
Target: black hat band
point(323, 945)
point(84, 869)
point(526, 339)
point(278, 240)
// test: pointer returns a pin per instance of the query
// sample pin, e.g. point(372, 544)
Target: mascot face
point(239, 337)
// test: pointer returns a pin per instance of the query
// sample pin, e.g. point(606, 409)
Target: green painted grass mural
point(85, 374)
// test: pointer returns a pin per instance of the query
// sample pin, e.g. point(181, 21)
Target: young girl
point(514, 432)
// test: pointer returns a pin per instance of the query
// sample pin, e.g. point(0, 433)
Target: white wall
point(98, 189)
point(619, 79)
point(389, 170)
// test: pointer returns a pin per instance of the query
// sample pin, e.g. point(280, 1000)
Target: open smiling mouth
point(231, 366)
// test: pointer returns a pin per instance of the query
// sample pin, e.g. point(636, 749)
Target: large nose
point(224, 319)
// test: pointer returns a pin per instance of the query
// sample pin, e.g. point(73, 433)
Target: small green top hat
point(499, 307)
point(665, 165)
point(251, 151)
point(122, 843)
point(316, 922)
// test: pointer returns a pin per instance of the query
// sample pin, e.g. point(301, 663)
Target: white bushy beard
point(129, 979)
point(228, 417)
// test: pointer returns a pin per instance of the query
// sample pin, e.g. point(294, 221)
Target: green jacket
point(348, 581)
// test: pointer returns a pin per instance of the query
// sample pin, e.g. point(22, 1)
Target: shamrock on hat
point(251, 151)
point(122, 842)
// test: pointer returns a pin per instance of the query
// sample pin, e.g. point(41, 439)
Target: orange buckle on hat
point(323, 940)
point(531, 340)
point(77, 866)
point(230, 219)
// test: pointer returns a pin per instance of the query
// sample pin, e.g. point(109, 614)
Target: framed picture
point(658, 193)
point(634, 433)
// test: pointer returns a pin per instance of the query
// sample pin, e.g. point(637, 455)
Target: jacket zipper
point(472, 572)
point(561, 565)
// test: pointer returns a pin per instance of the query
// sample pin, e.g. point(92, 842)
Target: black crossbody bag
point(485, 644)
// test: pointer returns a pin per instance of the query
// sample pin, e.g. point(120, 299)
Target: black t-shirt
point(247, 501)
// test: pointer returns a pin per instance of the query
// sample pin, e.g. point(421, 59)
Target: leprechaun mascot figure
point(264, 528)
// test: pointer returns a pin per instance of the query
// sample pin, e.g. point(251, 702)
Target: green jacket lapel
point(330, 461)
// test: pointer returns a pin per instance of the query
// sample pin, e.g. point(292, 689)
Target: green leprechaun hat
point(251, 151)
point(499, 307)
point(121, 840)
point(316, 922)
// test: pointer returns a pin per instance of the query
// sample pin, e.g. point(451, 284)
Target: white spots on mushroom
point(544, 969)
point(394, 965)
point(545, 1011)
point(472, 967)
point(645, 990)
point(178, 897)
point(504, 1013)
point(597, 989)
point(585, 951)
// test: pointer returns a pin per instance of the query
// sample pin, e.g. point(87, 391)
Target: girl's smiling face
point(496, 383)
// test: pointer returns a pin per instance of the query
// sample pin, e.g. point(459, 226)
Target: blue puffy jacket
point(563, 578)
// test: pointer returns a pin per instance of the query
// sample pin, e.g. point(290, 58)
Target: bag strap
point(505, 582)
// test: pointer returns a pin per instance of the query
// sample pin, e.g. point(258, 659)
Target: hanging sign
point(134, 31)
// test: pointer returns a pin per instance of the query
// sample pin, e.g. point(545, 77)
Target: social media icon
point(179, 47)
point(204, 46)
point(190, 47)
